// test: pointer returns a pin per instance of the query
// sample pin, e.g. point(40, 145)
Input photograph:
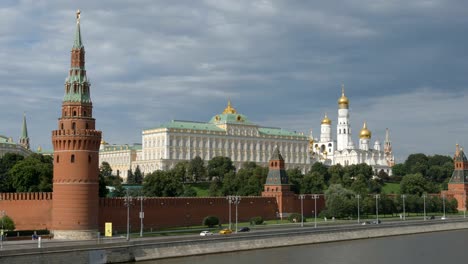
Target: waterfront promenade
point(119, 250)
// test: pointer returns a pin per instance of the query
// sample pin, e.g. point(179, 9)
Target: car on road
point(244, 229)
point(366, 223)
point(206, 233)
point(376, 222)
point(443, 218)
point(225, 231)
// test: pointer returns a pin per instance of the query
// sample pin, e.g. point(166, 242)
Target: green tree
point(180, 171)
point(189, 191)
point(399, 170)
point(130, 177)
point(340, 202)
point(219, 166)
point(228, 186)
point(33, 174)
point(196, 169)
point(295, 179)
point(313, 182)
point(321, 169)
point(413, 184)
point(138, 176)
point(162, 184)
point(6, 163)
point(214, 189)
point(8, 223)
point(360, 185)
point(105, 169)
point(417, 163)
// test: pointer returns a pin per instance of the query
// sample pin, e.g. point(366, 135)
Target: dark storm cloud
point(281, 63)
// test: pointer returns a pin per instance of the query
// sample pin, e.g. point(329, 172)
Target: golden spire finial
point(343, 102)
point(78, 12)
point(229, 109)
point(342, 89)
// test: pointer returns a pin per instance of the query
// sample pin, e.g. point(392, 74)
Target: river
point(440, 247)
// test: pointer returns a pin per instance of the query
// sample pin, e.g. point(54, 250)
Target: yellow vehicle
point(225, 231)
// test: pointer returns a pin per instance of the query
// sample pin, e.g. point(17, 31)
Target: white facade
point(8, 146)
point(119, 157)
point(343, 151)
point(228, 134)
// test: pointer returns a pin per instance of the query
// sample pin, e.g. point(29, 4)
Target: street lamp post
point(358, 209)
point(377, 197)
point(403, 196)
point(128, 202)
point(301, 197)
point(315, 197)
point(424, 200)
point(142, 214)
point(233, 199)
point(443, 204)
point(3, 217)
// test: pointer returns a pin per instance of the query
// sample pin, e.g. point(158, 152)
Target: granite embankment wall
point(147, 250)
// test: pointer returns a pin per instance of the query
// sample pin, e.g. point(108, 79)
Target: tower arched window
point(344, 131)
point(61, 126)
point(58, 158)
point(73, 125)
point(85, 113)
point(72, 159)
point(339, 131)
point(74, 113)
point(89, 158)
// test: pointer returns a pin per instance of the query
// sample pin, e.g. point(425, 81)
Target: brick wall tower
point(277, 185)
point(458, 184)
point(76, 155)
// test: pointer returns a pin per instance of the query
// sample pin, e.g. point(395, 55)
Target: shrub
point(211, 221)
point(257, 220)
point(7, 223)
point(295, 218)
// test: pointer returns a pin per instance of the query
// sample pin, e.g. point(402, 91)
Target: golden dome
point(39, 149)
point(365, 133)
point(229, 109)
point(343, 102)
point(326, 120)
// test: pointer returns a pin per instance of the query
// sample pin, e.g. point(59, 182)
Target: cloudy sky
point(403, 63)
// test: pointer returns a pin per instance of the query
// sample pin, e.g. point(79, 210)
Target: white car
point(206, 233)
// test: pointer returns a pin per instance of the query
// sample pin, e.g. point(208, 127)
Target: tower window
point(85, 113)
point(87, 126)
point(344, 131)
point(73, 125)
point(58, 158)
point(339, 131)
point(72, 158)
point(74, 113)
point(89, 158)
point(61, 126)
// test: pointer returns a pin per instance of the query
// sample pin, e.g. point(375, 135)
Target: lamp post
point(377, 197)
point(424, 200)
point(233, 199)
point(358, 209)
point(403, 196)
point(3, 217)
point(142, 214)
point(128, 202)
point(301, 197)
point(443, 204)
point(315, 197)
point(464, 202)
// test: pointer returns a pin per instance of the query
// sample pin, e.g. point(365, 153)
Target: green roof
point(121, 147)
point(24, 132)
point(191, 125)
point(6, 140)
point(230, 119)
point(77, 44)
point(273, 131)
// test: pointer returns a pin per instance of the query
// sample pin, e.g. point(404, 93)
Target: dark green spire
point(77, 44)
point(24, 132)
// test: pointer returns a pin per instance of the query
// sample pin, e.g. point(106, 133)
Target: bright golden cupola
point(229, 109)
point(365, 133)
point(326, 120)
point(343, 102)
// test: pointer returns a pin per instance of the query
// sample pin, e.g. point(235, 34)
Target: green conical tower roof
point(24, 131)
point(77, 84)
point(77, 44)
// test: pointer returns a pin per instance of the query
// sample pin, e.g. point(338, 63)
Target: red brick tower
point(458, 184)
point(76, 155)
point(277, 185)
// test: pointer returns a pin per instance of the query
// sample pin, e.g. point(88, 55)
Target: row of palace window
point(72, 158)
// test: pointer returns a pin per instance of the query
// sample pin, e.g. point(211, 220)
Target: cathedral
point(342, 150)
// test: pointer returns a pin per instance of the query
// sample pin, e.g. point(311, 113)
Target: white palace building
point(343, 150)
point(231, 134)
point(228, 134)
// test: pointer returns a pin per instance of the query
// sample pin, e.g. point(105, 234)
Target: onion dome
point(343, 102)
point(326, 120)
point(365, 133)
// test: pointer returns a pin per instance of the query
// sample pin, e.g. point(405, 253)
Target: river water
point(440, 247)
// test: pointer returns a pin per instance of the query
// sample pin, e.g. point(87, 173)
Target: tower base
point(75, 234)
